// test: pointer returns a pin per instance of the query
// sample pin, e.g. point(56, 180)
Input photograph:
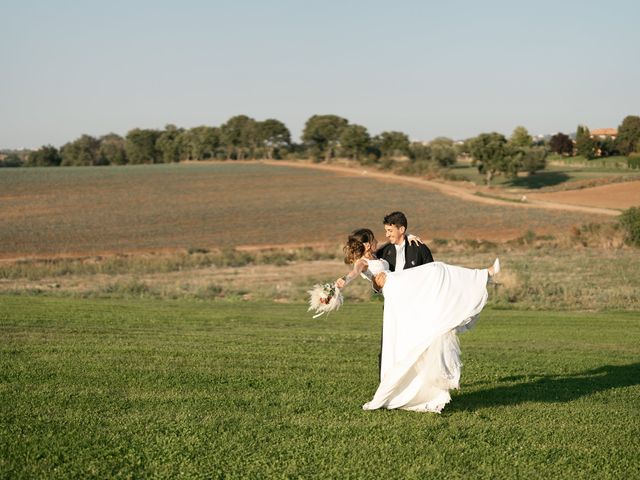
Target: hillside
point(72, 211)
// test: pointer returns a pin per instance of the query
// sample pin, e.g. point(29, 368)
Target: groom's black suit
point(414, 255)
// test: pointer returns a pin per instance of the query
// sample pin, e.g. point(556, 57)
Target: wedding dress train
point(424, 309)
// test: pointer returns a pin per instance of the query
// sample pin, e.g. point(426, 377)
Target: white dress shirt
point(400, 256)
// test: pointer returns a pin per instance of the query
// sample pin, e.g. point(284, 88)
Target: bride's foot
point(495, 268)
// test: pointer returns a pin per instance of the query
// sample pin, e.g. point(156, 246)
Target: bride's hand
point(340, 283)
point(379, 280)
point(413, 239)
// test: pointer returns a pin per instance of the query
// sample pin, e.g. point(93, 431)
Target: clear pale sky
point(427, 68)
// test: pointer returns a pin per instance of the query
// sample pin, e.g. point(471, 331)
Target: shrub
point(209, 292)
point(633, 161)
point(418, 167)
point(129, 288)
point(11, 160)
point(230, 257)
point(278, 258)
point(387, 163)
point(630, 222)
point(193, 250)
point(454, 177)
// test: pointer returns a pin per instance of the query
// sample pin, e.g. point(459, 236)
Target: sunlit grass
point(147, 388)
point(554, 177)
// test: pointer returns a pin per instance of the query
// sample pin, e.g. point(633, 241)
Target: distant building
point(604, 133)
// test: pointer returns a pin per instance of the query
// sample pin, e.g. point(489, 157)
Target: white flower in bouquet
point(324, 299)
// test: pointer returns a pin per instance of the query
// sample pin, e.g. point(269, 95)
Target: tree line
point(627, 141)
point(494, 154)
point(325, 137)
point(239, 138)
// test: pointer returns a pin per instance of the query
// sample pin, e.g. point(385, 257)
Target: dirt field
point(468, 192)
point(49, 212)
point(616, 196)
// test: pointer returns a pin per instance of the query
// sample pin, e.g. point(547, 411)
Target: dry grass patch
point(538, 272)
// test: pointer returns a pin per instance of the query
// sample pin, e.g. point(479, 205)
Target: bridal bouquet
point(324, 299)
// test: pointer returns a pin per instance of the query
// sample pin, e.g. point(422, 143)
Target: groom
point(399, 252)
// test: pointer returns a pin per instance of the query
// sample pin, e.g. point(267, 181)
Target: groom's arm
point(424, 254)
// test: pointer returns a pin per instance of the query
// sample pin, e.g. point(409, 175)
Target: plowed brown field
point(617, 195)
point(71, 211)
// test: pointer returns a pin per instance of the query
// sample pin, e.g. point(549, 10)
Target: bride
point(424, 308)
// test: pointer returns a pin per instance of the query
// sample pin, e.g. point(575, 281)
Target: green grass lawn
point(553, 177)
point(141, 388)
point(619, 162)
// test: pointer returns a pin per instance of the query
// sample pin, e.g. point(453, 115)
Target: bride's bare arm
point(358, 267)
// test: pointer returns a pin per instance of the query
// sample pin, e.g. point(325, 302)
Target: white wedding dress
point(424, 308)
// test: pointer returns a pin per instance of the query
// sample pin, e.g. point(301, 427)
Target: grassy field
point(554, 177)
point(134, 389)
point(74, 211)
point(540, 274)
point(619, 162)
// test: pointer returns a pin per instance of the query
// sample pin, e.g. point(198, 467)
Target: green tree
point(12, 159)
point(585, 145)
point(561, 144)
point(606, 147)
point(240, 136)
point(169, 144)
point(393, 144)
point(531, 159)
point(524, 156)
point(628, 139)
point(443, 151)
point(140, 146)
point(630, 222)
point(321, 134)
point(273, 135)
point(520, 137)
point(45, 156)
point(492, 155)
point(200, 143)
point(112, 150)
point(354, 141)
point(419, 152)
point(81, 152)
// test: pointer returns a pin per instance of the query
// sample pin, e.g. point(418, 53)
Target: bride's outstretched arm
point(358, 267)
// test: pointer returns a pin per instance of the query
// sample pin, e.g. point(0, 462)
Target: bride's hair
point(354, 249)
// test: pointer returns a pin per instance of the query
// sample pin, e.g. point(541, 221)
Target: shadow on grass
point(539, 180)
point(551, 388)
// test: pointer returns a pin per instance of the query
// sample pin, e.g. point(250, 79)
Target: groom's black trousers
point(380, 354)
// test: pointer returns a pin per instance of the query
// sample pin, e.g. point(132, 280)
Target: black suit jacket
point(414, 255)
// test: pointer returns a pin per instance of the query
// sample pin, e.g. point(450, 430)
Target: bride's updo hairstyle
point(354, 249)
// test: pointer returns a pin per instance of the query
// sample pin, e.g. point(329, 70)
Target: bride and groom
point(426, 304)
